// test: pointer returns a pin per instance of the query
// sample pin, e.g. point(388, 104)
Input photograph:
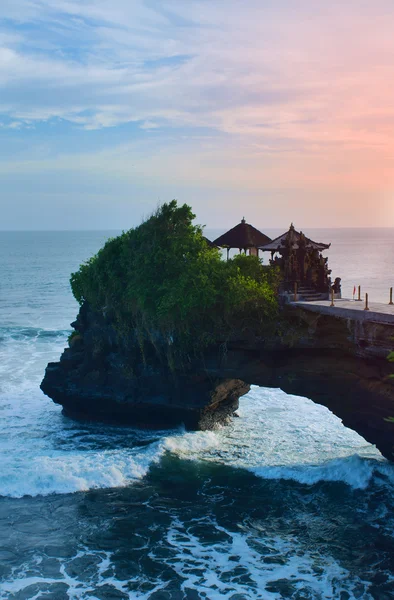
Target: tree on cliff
point(163, 277)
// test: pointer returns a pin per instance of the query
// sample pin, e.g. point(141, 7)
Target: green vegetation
point(390, 358)
point(74, 335)
point(162, 281)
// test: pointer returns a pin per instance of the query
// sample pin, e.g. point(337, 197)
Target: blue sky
point(281, 111)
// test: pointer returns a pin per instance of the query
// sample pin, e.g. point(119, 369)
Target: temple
point(210, 244)
point(305, 272)
point(243, 237)
point(302, 264)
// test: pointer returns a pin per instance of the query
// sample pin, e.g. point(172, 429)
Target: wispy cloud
point(301, 93)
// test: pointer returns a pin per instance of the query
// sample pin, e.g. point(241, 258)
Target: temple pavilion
point(300, 260)
point(243, 237)
point(210, 244)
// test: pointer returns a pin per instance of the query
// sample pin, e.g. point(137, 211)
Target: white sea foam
point(276, 436)
point(192, 444)
point(76, 587)
point(352, 470)
point(65, 473)
point(41, 451)
point(242, 563)
point(245, 565)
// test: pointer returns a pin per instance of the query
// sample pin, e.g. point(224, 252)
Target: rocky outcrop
point(105, 375)
point(340, 363)
point(336, 362)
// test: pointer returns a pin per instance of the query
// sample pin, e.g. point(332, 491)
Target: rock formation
point(335, 362)
point(103, 376)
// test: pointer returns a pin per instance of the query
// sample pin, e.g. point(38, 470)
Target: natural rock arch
point(335, 362)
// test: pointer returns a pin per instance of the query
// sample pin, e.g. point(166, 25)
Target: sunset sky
point(277, 110)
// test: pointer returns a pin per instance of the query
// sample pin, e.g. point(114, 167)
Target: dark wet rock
point(333, 361)
point(104, 377)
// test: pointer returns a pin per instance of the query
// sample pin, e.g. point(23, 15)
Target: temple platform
point(351, 309)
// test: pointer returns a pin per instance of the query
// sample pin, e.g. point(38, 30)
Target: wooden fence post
point(332, 298)
point(366, 302)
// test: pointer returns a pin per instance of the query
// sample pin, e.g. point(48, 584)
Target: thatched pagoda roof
point(210, 244)
point(242, 236)
point(292, 238)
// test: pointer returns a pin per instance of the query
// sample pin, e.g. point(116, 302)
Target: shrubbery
point(162, 276)
point(391, 359)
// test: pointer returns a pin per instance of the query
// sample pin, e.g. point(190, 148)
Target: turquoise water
point(284, 503)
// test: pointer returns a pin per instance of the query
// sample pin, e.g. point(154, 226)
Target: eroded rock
point(332, 361)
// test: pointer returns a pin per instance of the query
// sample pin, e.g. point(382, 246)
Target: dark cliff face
point(108, 376)
point(335, 362)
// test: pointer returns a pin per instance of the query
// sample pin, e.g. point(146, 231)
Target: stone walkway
point(352, 309)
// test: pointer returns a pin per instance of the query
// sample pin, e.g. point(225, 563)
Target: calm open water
point(283, 503)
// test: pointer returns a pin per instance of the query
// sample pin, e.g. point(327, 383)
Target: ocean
point(284, 503)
